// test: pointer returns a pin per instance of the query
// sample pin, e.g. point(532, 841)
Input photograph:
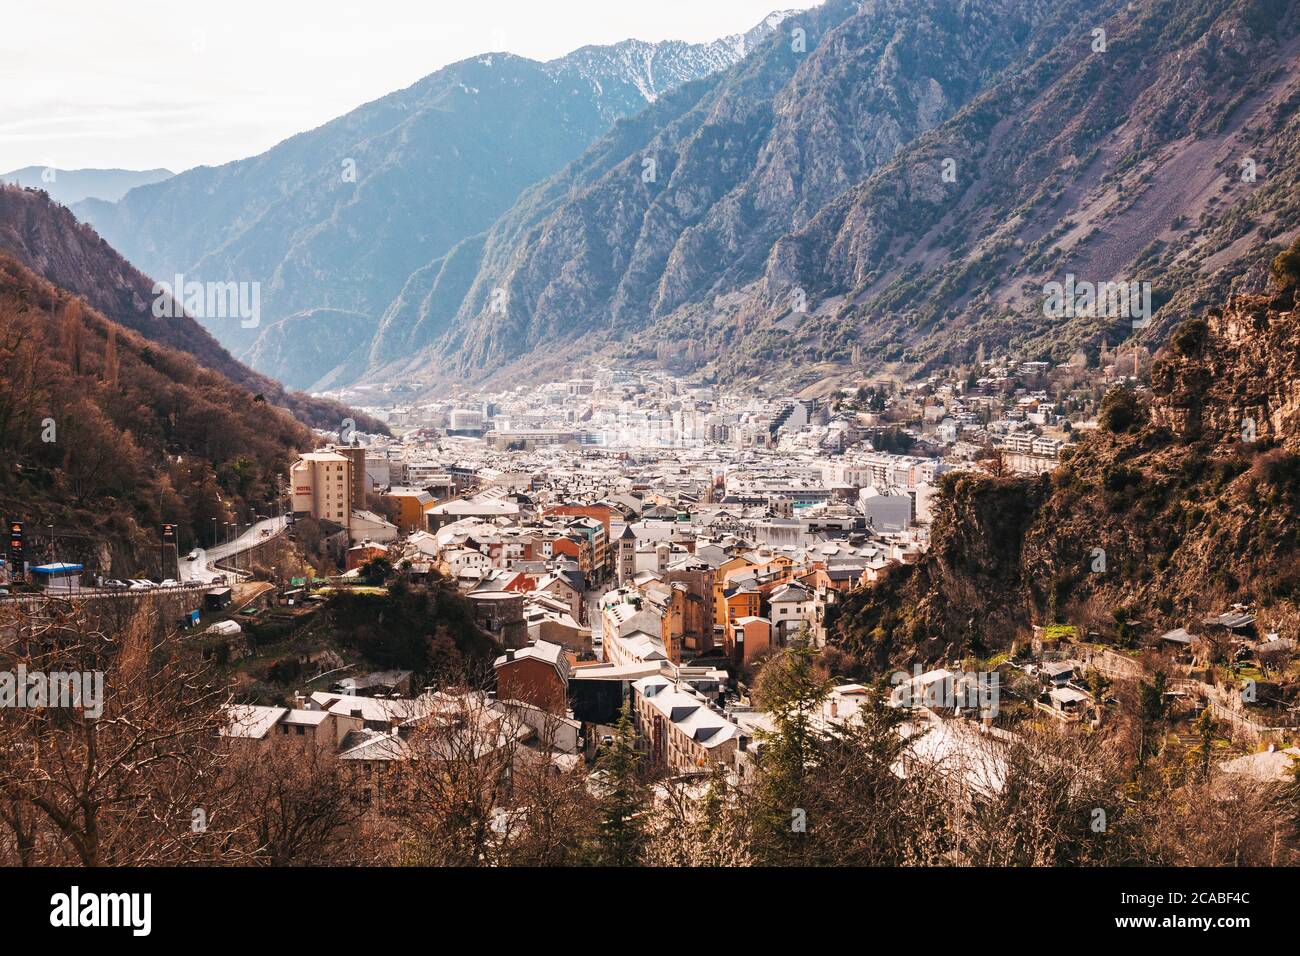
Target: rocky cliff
point(1191, 506)
point(901, 191)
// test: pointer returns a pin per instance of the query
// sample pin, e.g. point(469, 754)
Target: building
point(57, 577)
point(887, 511)
point(791, 605)
point(537, 674)
point(413, 507)
point(368, 526)
point(625, 562)
point(485, 507)
point(501, 613)
point(747, 640)
point(360, 554)
point(356, 456)
point(323, 487)
point(684, 731)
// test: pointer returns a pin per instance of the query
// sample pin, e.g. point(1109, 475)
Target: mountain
point(903, 191)
point(339, 217)
point(47, 239)
point(1191, 498)
point(108, 433)
point(70, 186)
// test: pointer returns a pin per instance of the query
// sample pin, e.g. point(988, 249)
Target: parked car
point(115, 585)
point(169, 583)
point(193, 555)
point(139, 585)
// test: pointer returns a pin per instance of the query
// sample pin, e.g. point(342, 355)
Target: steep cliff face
point(902, 192)
point(1192, 507)
point(1235, 375)
point(1169, 153)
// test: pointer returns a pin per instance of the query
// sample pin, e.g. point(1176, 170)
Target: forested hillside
point(107, 434)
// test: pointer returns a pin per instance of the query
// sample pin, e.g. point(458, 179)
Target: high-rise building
point(323, 485)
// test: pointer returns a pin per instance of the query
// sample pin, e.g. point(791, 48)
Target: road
point(203, 569)
point(195, 574)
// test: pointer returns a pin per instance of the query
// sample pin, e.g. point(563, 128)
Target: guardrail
point(95, 592)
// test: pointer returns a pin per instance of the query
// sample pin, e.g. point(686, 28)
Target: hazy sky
point(178, 83)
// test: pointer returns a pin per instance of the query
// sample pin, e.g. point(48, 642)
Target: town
point(631, 551)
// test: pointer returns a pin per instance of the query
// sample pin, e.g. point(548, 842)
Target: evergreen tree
point(1151, 710)
point(620, 831)
point(791, 688)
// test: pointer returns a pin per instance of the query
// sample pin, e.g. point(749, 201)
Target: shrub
point(1119, 411)
point(1286, 267)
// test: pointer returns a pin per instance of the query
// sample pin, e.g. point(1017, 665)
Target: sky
point(141, 84)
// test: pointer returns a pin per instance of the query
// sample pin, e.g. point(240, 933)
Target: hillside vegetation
point(1191, 493)
point(107, 434)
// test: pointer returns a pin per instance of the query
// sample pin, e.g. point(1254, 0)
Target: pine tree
point(791, 688)
point(620, 832)
point(1151, 710)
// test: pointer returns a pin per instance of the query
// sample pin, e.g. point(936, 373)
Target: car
point(139, 585)
point(115, 585)
point(192, 556)
point(169, 583)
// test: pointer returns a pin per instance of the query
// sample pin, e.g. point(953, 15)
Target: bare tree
point(120, 786)
point(298, 807)
point(454, 778)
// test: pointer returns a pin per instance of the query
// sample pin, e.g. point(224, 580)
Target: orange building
point(747, 639)
point(746, 602)
point(413, 507)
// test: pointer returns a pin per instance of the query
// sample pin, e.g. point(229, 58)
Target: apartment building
point(323, 487)
point(685, 733)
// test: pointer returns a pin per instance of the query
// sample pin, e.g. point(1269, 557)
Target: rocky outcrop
point(1180, 515)
point(1235, 376)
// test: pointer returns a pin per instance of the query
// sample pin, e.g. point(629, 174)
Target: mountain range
point(899, 195)
point(333, 222)
point(865, 187)
point(70, 186)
